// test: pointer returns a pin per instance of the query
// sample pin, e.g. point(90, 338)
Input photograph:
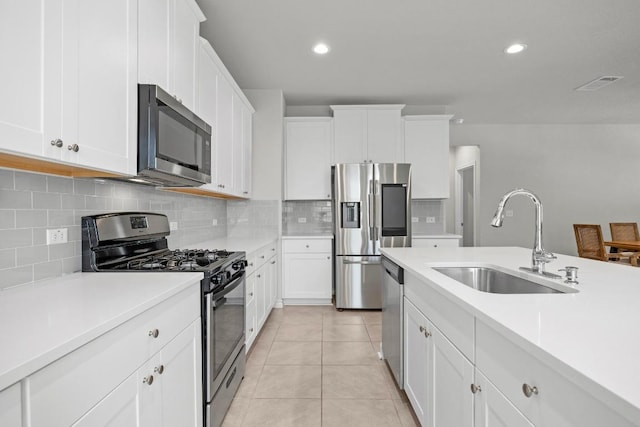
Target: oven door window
point(228, 323)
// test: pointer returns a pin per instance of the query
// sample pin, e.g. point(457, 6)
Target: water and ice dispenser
point(350, 215)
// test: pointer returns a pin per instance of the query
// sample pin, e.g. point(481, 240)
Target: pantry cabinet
point(426, 147)
point(367, 134)
point(308, 158)
point(307, 267)
point(168, 44)
point(62, 54)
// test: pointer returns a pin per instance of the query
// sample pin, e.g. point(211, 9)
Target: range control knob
point(239, 265)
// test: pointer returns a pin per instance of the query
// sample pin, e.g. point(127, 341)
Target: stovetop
point(181, 260)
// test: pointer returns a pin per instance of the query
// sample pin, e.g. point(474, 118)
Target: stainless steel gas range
point(137, 241)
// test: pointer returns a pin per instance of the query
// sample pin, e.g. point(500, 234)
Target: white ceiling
point(442, 53)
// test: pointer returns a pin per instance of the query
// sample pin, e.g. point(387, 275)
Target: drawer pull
point(154, 333)
point(148, 380)
point(159, 369)
point(251, 330)
point(258, 276)
point(426, 333)
point(250, 264)
point(262, 256)
point(273, 262)
point(475, 388)
point(528, 390)
point(306, 246)
point(250, 294)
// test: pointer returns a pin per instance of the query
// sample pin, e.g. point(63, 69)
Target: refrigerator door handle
point(372, 227)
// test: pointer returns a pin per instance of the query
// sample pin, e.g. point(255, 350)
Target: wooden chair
point(591, 244)
point(624, 231)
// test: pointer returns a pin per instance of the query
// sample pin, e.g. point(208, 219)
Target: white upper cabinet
point(367, 133)
point(426, 147)
point(221, 104)
point(308, 158)
point(169, 45)
point(62, 54)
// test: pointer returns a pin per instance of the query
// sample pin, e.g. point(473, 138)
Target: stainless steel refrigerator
point(372, 210)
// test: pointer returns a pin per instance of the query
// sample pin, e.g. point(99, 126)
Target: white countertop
point(592, 336)
point(43, 321)
point(247, 244)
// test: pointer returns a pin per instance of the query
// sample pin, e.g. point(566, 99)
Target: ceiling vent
point(599, 83)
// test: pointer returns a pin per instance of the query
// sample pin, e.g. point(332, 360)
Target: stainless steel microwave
point(174, 144)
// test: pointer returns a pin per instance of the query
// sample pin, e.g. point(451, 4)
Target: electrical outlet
point(56, 236)
point(215, 222)
point(508, 212)
point(431, 219)
point(414, 219)
point(173, 225)
point(302, 220)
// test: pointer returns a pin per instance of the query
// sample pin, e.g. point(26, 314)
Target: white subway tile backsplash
point(73, 201)
point(42, 202)
point(15, 238)
point(63, 250)
point(16, 276)
point(59, 185)
point(46, 200)
point(6, 179)
point(30, 218)
point(45, 270)
point(30, 181)
point(84, 186)
point(11, 199)
point(7, 258)
point(32, 254)
point(7, 219)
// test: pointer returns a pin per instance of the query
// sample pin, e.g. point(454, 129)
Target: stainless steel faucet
point(539, 256)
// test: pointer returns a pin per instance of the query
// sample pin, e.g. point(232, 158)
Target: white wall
point(582, 174)
point(268, 137)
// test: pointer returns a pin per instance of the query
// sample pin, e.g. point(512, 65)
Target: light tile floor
point(315, 366)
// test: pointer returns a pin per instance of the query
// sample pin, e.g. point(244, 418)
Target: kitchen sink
point(486, 279)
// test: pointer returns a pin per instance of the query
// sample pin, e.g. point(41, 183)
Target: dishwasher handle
point(393, 270)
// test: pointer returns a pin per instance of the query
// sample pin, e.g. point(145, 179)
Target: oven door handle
point(230, 287)
point(217, 303)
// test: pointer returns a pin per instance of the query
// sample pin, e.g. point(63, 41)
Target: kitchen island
point(574, 354)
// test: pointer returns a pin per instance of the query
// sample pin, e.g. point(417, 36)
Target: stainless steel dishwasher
point(392, 318)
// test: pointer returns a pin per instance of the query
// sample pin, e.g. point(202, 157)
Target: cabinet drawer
point(306, 246)
point(435, 243)
point(89, 373)
point(454, 322)
point(250, 323)
point(559, 402)
point(11, 406)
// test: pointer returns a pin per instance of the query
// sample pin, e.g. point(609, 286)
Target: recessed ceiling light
point(321, 48)
point(515, 48)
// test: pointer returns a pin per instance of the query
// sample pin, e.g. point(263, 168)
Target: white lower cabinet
point(493, 409)
point(307, 268)
point(437, 375)
point(11, 406)
point(261, 289)
point(477, 376)
point(145, 372)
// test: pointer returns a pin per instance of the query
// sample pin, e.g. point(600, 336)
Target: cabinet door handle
point(258, 276)
point(154, 333)
point(250, 294)
point(73, 147)
point(475, 388)
point(262, 256)
point(56, 143)
point(426, 333)
point(159, 369)
point(529, 390)
point(148, 380)
point(273, 262)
